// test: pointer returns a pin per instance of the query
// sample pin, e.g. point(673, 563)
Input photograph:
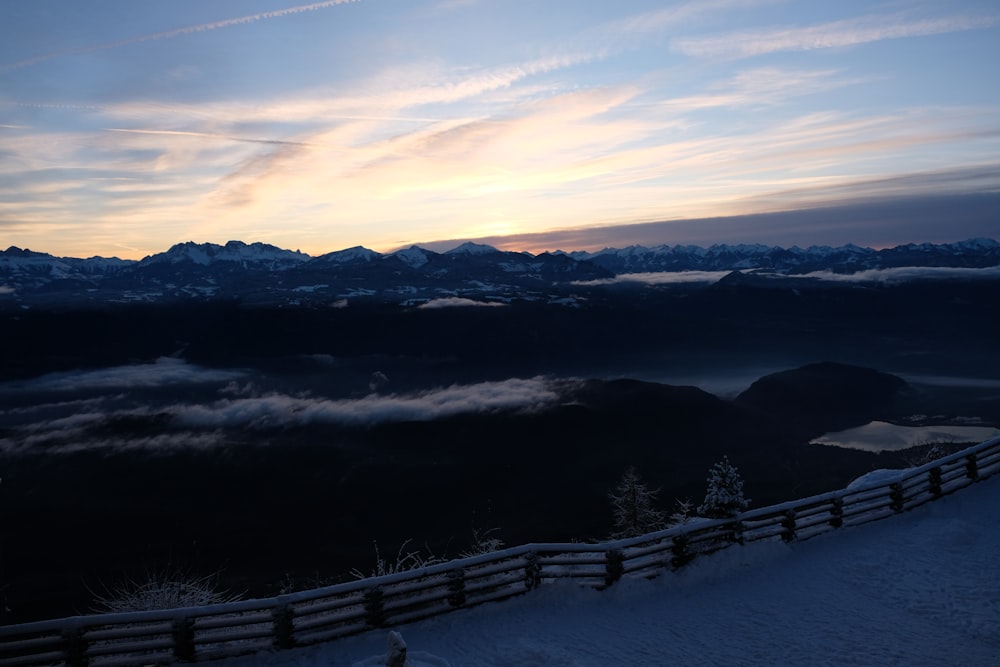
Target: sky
point(126, 127)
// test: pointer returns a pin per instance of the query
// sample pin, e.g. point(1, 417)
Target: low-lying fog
point(171, 403)
point(878, 436)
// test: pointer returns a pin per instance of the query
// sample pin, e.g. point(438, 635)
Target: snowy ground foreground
point(919, 589)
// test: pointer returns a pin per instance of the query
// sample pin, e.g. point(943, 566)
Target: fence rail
point(309, 617)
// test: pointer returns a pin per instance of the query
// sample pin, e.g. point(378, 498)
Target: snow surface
point(919, 589)
point(473, 249)
point(356, 254)
point(414, 256)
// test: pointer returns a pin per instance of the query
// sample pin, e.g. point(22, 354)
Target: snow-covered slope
point(470, 248)
point(918, 589)
point(22, 269)
point(356, 255)
point(414, 256)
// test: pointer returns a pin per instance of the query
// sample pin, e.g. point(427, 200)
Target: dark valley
point(277, 439)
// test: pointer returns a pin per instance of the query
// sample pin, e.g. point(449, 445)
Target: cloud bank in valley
point(457, 302)
point(905, 274)
point(280, 410)
point(92, 425)
point(660, 278)
point(165, 371)
point(890, 276)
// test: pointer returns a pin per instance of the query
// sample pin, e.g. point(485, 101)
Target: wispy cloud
point(456, 302)
point(69, 441)
point(661, 278)
point(907, 274)
point(279, 410)
point(849, 32)
point(164, 372)
point(178, 32)
point(449, 5)
point(389, 95)
point(761, 86)
point(206, 135)
point(188, 425)
point(621, 33)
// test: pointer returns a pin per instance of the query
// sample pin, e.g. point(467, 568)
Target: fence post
point(934, 475)
point(896, 496)
point(532, 571)
point(456, 587)
point(837, 512)
point(374, 607)
point(183, 632)
point(680, 555)
point(284, 629)
point(76, 647)
point(736, 535)
point(971, 467)
point(614, 567)
point(788, 525)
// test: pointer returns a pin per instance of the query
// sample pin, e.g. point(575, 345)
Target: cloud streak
point(905, 274)
point(279, 410)
point(166, 371)
point(661, 278)
point(850, 32)
point(456, 302)
point(206, 135)
point(179, 32)
point(185, 425)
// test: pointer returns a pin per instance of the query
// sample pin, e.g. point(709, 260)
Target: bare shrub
point(169, 588)
point(405, 561)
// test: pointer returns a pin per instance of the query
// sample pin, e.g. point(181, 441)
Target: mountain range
point(259, 273)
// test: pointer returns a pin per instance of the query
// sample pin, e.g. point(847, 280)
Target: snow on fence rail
point(309, 617)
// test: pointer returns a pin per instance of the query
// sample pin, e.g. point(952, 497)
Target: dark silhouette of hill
point(823, 397)
point(940, 327)
point(312, 499)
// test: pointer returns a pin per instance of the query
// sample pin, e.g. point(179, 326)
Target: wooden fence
point(309, 617)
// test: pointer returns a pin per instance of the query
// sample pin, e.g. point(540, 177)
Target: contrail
point(208, 135)
point(203, 27)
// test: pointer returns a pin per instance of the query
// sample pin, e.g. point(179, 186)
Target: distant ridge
point(263, 273)
point(972, 253)
point(978, 252)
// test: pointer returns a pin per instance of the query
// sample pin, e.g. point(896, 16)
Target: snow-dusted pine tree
point(724, 497)
point(682, 512)
point(633, 506)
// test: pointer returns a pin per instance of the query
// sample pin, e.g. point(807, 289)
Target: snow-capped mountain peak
point(470, 248)
point(414, 256)
point(355, 255)
point(977, 244)
point(205, 254)
point(262, 273)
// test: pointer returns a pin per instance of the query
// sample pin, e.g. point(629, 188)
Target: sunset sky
point(127, 126)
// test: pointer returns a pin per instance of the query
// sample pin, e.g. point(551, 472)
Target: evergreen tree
point(633, 506)
point(682, 512)
point(724, 497)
